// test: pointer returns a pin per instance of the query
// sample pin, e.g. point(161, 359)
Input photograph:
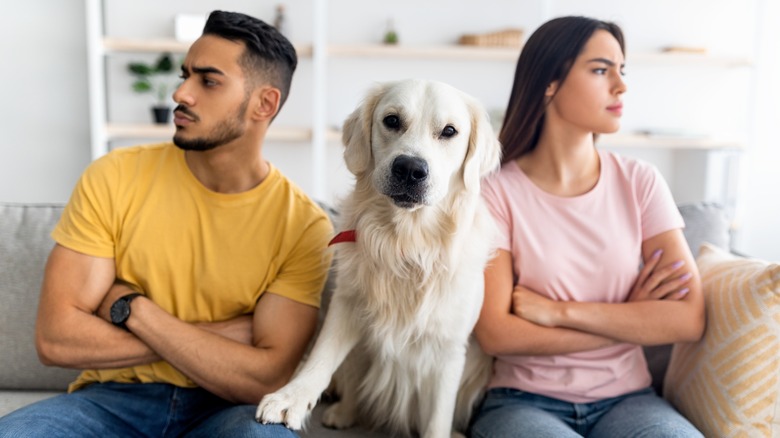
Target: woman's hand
point(660, 283)
point(534, 307)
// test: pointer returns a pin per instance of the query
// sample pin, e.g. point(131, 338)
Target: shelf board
point(427, 52)
point(647, 141)
point(157, 45)
point(451, 52)
point(460, 52)
point(116, 131)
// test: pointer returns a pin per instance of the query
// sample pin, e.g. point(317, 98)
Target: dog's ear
point(356, 133)
point(484, 153)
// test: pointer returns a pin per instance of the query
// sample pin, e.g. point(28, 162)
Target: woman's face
point(589, 98)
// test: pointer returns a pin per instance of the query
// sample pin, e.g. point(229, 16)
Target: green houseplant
point(155, 78)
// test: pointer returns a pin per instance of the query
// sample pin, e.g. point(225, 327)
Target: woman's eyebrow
point(605, 61)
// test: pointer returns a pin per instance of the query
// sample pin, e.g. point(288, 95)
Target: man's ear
point(356, 132)
point(265, 102)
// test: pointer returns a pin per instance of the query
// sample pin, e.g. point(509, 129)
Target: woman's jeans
point(104, 410)
point(512, 413)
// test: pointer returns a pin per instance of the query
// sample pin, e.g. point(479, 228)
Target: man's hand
point(660, 283)
point(534, 307)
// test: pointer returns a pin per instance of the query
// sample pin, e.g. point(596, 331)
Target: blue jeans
point(104, 410)
point(512, 413)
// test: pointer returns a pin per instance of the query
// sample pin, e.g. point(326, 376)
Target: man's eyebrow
point(203, 70)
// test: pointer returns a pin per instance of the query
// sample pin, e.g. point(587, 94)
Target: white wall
point(44, 119)
point(43, 116)
point(759, 216)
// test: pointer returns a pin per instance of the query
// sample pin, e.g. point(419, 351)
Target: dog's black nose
point(410, 170)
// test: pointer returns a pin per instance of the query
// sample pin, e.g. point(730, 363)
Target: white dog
point(409, 288)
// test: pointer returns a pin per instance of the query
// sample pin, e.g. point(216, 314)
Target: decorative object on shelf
point(155, 78)
point(684, 49)
point(280, 21)
point(503, 38)
point(391, 36)
point(669, 133)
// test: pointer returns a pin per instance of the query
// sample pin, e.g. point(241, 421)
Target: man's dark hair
point(267, 54)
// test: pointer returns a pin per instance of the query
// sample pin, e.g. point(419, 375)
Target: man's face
point(212, 99)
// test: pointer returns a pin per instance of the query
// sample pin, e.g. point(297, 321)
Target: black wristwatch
point(120, 310)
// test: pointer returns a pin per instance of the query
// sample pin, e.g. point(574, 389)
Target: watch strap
point(127, 299)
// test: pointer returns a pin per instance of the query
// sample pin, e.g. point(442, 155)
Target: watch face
point(120, 310)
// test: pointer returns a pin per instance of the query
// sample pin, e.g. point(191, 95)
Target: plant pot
point(162, 114)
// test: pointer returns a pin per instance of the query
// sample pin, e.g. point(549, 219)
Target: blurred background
point(701, 102)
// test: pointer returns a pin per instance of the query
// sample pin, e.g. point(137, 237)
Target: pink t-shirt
point(582, 248)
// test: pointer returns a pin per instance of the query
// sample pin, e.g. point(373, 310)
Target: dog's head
point(415, 139)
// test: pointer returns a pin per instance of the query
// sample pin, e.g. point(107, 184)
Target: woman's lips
point(616, 108)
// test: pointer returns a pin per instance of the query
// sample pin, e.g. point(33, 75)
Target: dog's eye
point(392, 122)
point(449, 131)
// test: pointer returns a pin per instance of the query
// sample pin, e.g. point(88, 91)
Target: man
point(185, 280)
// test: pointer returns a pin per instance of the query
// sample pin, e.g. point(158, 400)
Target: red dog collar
point(344, 236)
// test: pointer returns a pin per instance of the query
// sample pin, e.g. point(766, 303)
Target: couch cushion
point(24, 246)
point(705, 222)
point(728, 383)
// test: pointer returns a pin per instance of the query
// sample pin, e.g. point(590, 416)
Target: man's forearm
point(230, 369)
point(95, 344)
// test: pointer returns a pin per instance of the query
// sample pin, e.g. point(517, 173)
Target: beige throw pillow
point(728, 383)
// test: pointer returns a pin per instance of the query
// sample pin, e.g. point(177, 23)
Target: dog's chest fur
point(403, 274)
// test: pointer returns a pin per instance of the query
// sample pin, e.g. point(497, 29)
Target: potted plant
point(155, 78)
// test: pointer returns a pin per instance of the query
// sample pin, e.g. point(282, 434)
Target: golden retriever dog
point(409, 288)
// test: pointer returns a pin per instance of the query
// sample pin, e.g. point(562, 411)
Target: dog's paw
point(338, 416)
point(289, 406)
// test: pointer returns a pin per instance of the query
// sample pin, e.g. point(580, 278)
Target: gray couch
point(25, 244)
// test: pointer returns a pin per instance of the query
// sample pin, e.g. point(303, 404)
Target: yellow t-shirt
point(200, 255)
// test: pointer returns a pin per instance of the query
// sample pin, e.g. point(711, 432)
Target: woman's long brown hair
point(547, 56)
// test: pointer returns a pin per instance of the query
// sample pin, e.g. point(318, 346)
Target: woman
point(567, 307)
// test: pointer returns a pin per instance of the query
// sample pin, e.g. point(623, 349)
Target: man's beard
point(226, 131)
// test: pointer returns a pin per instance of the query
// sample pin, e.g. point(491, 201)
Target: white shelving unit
point(316, 132)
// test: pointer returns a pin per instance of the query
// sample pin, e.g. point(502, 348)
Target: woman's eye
point(600, 71)
point(448, 131)
point(392, 122)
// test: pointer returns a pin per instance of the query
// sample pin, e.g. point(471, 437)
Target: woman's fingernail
point(678, 263)
point(684, 292)
point(686, 276)
point(657, 253)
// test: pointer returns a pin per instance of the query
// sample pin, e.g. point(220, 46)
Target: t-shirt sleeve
point(87, 223)
point(658, 209)
point(496, 203)
point(303, 273)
